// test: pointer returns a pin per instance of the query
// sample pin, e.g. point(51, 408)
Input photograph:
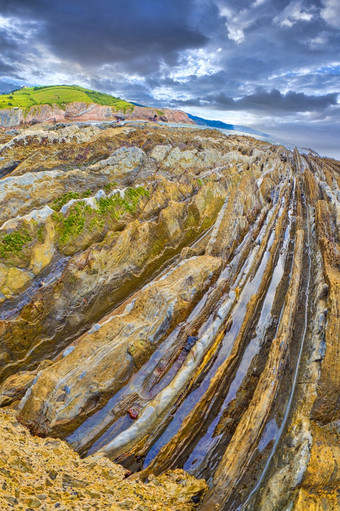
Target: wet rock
point(12, 281)
point(100, 272)
point(186, 286)
point(125, 159)
point(110, 355)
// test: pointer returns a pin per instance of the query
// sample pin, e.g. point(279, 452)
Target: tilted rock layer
point(169, 298)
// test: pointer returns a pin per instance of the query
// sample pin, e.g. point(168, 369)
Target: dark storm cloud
point(140, 35)
point(137, 92)
point(274, 102)
point(6, 68)
point(269, 102)
point(278, 36)
point(136, 34)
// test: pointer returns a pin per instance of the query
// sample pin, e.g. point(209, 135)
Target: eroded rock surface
point(47, 474)
point(169, 298)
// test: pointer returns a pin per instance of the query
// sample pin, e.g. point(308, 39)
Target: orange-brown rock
point(47, 474)
point(104, 360)
point(183, 289)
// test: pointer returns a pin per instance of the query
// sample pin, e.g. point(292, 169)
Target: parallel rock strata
point(170, 299)
point(103, 361)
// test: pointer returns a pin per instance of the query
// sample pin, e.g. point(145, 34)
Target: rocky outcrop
point(47, 474)
point(82, 112)
point(169, 299)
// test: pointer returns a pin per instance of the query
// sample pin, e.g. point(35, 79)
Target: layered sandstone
point(169, 298)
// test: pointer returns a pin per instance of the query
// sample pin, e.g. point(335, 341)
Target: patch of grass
point(116, 205)
point(59, 202)
point(60, 95)
point(81, 214)
point(72, 224)
point(41, 234)
point(14, 242)
point(160, 112)
point(204, 181)
point(109, 187)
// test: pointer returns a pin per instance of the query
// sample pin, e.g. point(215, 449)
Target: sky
point(273, 65)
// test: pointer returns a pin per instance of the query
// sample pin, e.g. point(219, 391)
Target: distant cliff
point(73, 103)
point(10, 117)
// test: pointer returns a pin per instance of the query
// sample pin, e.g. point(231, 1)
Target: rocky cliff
point(78, 111)
point(69, 103)
point(169, 299)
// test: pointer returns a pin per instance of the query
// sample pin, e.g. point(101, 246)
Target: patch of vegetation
point(14, 242)
point(116, 205)
point(109, 187)
point(204, 181)
point(81, 214)
point(74, 222)
point(60, 95)
point(59, 202)
point(41, 234)
point(160, 112)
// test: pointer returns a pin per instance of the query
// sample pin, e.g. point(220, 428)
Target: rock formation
point(46, 474)
point(81, 112)
point(169, 299)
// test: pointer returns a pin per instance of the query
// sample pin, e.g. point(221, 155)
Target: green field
point(60, 95)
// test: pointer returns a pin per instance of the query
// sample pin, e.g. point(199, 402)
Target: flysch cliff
point(64, 103)
point(169, 300)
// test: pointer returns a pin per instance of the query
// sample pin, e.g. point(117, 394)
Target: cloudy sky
point(270, 64)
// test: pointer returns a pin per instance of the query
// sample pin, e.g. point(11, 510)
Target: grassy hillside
point(60, 95)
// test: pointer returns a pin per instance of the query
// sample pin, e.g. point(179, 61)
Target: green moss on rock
point(58, 203)
point(14, 242)
point(117, 205)
point(81, 215)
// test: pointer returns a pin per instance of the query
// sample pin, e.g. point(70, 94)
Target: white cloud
point(198, 62)
point(236, 34)
point(257, 3)
point(236, 23)
point(17, 29)
point(318, 41)
point(293, 13)
point(331, 12)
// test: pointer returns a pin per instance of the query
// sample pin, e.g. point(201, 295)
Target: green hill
point(60, 95)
